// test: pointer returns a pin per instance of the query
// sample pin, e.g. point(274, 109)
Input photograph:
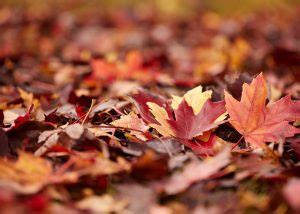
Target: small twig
point(118, 111)
point(89, 111)
point(65, 166)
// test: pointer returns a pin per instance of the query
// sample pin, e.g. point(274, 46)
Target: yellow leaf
point(28, 98)
point(27, 175)
point(195, 98)
point(222, 117)
point(161, 116)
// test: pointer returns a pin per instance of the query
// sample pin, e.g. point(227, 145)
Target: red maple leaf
point(187, 125)
point(181, 122)
point(142, 97)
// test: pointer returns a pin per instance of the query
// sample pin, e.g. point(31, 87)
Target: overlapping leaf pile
point(126, 112)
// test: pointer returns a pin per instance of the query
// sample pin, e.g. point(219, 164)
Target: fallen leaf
point(88, 164)
point(135, 192)
point(28, 98)
point(195, 98)
point(196, 171)
point(50, 138)
point(132, 122)
point(10, 115)
point(141, 100)
point(194, 114)
point(188, 125)
point(257, 122)
point(101, 204)
point(101, 131)
point(161, 120)
point(74, 131)
point(27, 175)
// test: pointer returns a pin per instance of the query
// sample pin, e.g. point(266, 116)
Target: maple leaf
point(195, 98)
point(141, 100)
point(88, 163)
point(188, 125)
point(161, 120)
point(51, 137)
point(187, 117)
point(257, 122)
point(194, 114)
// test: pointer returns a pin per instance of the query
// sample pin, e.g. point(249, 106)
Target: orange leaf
point(257, 122)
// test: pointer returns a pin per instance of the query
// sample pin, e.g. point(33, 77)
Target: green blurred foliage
point(238, 7)
point(167, 8)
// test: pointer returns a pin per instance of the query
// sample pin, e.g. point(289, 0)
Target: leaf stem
point(87, 114)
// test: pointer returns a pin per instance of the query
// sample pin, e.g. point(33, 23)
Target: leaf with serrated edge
point(257, 122)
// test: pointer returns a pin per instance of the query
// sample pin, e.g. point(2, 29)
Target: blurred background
point(166, 42)
point(161, 7)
